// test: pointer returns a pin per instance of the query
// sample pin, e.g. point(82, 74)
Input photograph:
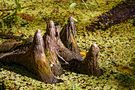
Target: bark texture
point(63, 52)
point(43, 55)
point(33, 58)
point(91, 61)
point(67, 36)
point(50, 39)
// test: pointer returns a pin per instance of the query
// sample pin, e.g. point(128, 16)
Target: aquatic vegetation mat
point(116, 58)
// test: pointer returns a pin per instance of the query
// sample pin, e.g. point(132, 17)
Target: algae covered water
point(117, 44)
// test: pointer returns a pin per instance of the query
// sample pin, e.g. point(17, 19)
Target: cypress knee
point(32, 57)
point(91, 61)
point(67, 36)
point(50, 49)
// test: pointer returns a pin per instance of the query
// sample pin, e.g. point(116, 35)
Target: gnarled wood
point(90, 62)
point(8, 46)
point(62, 51)
point(51, 47)
point(41, 55)
point(89, 65)
point(33, 58)
point(67, 36)
point(42, 65)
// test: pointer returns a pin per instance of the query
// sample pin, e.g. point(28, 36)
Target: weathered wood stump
point(33, 58)
point(50, 39)
point(62, 51)
point(43, 55)
point(41, 62)
point(67, 36)
point(8, 46)
point(90, 63)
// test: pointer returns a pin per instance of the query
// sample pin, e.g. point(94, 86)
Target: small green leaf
point(75, 19)
point(72, 5)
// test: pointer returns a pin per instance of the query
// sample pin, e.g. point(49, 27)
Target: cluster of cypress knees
point(46, 56)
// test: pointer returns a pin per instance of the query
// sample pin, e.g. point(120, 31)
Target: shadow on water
point(123, 11)
point(2, 86)
point(132, 64)
point(79, 68)
point(18, 69)
point(127, 80)
point(74, 66)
